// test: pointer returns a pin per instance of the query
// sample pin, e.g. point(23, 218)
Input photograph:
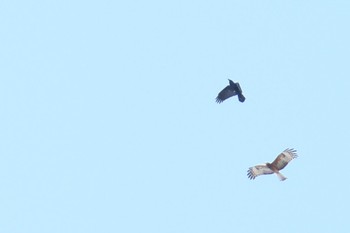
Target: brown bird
point(229, 91)
point(278, 164)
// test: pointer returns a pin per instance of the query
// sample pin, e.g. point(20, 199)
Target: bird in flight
point(229, 91)
point(278, 164)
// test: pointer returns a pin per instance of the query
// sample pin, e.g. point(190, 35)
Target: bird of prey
point(229, 91)
point(268, 168)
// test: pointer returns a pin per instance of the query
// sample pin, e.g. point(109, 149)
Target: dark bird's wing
point(226, 93)
point(238, 88)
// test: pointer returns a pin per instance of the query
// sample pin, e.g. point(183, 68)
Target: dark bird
point(278, 164)
point(229, 91)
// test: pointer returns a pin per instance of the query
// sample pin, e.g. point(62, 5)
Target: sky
point(109, 121)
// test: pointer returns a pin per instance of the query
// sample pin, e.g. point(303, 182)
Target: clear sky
point(109, 121)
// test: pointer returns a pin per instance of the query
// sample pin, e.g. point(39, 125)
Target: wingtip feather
point(218, 100)
point(292, 152)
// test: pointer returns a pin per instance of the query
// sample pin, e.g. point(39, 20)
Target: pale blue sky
point(109, 121)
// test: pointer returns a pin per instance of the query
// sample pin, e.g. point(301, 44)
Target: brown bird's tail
point(280, 176)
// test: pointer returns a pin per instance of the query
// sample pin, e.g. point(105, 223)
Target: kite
point(278, 164)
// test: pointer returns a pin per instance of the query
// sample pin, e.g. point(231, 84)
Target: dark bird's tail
point(241, 97)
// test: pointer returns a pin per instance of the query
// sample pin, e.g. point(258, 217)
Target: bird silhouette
point(229, 91)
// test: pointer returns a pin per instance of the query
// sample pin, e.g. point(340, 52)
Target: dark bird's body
point(229, 91)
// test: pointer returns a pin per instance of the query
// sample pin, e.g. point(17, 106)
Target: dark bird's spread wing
point(284, 158)
point(226, 93)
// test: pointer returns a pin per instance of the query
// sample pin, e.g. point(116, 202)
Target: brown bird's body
point(276, 171)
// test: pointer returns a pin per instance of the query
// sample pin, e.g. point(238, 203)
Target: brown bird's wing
point(226, 93)
point(258, 170)
point(284, 158)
